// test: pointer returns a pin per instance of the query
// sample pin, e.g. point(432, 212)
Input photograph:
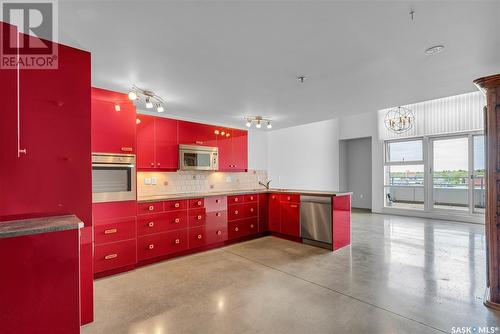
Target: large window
point(438, 173)
point(404, 174)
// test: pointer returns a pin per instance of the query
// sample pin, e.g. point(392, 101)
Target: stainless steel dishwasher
point(316, 220)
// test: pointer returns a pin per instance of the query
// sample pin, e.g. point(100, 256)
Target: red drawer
point(195, 203)
point(252, 225)
point(251, 210)
point(294, 198)
point(114, 230)
point(216, 203)
point(162, 222)
point(235, 199)
point(152, 245)
point(177, 241)
point(251, 197)
point(216, 219)
point(197, 237)
point(176, 205)
point(216, 235)
point(151, 207)
point(236, 211)
point(236, 229)
point(112, 210)
point(197, 217)
point(114, 255)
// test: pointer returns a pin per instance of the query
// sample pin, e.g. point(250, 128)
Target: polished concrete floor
point(401, 275)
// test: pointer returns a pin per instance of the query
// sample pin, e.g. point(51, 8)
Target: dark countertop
point(14, 228)
point(145, 199)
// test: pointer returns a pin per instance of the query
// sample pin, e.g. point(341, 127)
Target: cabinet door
point(240, 150)
point(166, 143)
point(263, 212)
point(191, 133)
point(274, 213)
point(225, 146)
point(145, 142)
point(290, 219)
point(112, 131)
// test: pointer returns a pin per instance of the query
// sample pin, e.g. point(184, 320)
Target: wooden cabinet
point(157, 143)
point(113, 122)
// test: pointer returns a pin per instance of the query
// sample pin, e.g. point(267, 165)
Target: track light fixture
point(150, 98)
point(258, 120)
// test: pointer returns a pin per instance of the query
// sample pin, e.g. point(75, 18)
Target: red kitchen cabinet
point(274, 220)
point(197, 237)
point(177, 241)
point(263, 212)
point(52, 172)
point(166, 143)
point(152, 245)
point(113, 122)
point(114, 255)
point(233, 150)
point(341, 221)
point(191, 133)
point(290, 219)
point(145, 142)
point(157, 143)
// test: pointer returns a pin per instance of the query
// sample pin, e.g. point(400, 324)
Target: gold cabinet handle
point(199, 203)
point(110, 231)
point(151, 224)
point(273, 197)
point(251, 198)
point(177, 220)
point(151, 246)
point(199, 236)
point(235, 212)
point(251, 225)
point(251, 209)
point(151, 208)
point(199, 217)
point(111, 256)
point(217, 201)
point(217, 214)
point(177, 205)
point(219, 232)
point(236, 199)
point(288, 198)
point(236, 229)
point(293, 206)
point(177, 241)
point(126, 149)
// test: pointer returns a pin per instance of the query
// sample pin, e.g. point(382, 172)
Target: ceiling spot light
point(258, 125)
point(149, 104)
point(248, 123)
point(159, 108)
point(227, 134)
point(258, 120)
point(117, 107)
point(269, 125)
point(216, 132)
point(132, 96)
point(137, 121)
point(222, 133)
point(434, 50)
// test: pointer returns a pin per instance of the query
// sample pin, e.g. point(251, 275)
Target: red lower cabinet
point(274, 221)
point(197, 237)
point(263, 212)
point(114, 255)
point(290, 219)
point(115, 230)
point(153, 245)
point(216, 235)
point(177, 241)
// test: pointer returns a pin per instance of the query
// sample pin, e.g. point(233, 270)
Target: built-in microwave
point(194, 157)
point(113, 177)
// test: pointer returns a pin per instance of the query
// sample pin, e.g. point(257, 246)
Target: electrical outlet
point(154, 180)
point(228, 179)
point(361, 196)
point(147, 180)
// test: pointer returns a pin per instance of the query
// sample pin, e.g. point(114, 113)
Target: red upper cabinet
point(191, 133)
point(113, 122)
point(166, 143)
point(157, 143)
point(145, 142)
point(233, 150)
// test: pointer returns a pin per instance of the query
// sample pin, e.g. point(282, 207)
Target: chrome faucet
point(265, 184)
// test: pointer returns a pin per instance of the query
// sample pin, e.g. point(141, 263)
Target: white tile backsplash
point(197, 181)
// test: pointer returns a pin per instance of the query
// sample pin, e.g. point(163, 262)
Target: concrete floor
point(401, 275)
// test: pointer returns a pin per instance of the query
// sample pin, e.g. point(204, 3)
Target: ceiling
point(218, 61)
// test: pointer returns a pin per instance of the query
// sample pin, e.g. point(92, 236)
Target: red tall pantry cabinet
point(52, 123)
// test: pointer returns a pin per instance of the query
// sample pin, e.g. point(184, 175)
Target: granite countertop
point(144, 199)
point(15, 228)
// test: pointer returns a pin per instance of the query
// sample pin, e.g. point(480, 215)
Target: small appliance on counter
point(113, 177)
point(194, 157)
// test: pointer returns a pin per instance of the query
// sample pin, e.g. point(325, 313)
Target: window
point(404, 181)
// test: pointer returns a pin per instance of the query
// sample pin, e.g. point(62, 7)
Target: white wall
point(257, 149)
point(366, 125)
point(305, 156)
point(356, 170)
